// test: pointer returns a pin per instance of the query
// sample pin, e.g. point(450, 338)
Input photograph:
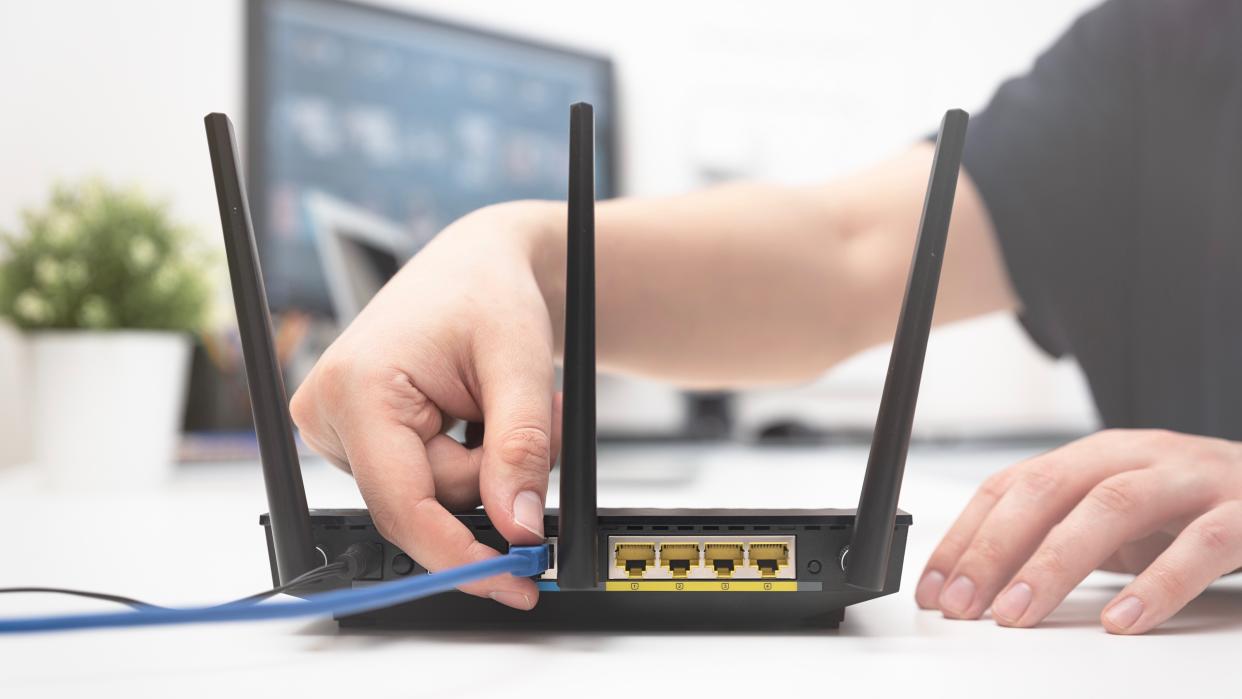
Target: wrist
point(546, 253)
point(535, 230)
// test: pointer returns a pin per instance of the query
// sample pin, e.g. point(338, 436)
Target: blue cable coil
point(523, 561)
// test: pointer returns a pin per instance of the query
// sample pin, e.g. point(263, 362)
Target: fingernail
point(516, 600)
point(928, 590)
point(957, 597)
point(1125, 613)
point(1012, 603)
point(528, 512)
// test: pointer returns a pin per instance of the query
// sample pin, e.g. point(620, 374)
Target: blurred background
point(368, 128)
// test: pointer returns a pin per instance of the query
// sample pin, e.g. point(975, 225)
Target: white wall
point(120, 87)
point(783, 90)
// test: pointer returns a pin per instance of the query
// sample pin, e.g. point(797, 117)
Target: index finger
point(389, 461)
point(518, 447)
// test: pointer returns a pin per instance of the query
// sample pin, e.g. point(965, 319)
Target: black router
point(616, 568)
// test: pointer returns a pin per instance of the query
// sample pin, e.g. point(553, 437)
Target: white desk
point(198, 540)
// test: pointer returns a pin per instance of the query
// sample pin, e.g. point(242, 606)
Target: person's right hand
point(461, 332)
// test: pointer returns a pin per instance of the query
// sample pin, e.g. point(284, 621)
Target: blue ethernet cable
point(524, 561)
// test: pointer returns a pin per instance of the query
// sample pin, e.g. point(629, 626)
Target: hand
point(1164, 506)
point(461, 332)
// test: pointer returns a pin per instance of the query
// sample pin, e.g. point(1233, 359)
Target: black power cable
point(331, 570)
point(119, 599)
point(349, 565)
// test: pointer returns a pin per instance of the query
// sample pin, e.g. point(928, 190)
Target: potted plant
point(107, 290)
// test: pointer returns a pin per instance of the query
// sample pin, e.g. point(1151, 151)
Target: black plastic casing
point(819, 603)
point(291, 549)
point(578, 464)
point(877, 501)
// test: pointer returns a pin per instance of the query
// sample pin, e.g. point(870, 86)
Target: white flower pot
point(107, 406)
point(14, 431)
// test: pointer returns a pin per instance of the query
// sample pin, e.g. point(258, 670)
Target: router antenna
point(288, 516)
point(866, 565)
point(576, 544)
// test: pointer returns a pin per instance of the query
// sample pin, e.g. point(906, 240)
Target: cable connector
point(361, 559)
point(535, 559)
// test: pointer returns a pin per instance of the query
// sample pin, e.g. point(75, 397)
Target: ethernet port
point(550, 573)
point(635, 558)
point(768, 557)
point(723, 558)
point(679, 558)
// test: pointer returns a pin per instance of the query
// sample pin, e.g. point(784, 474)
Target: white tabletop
point(198, 540)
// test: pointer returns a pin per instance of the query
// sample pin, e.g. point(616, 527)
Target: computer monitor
point(412, 119)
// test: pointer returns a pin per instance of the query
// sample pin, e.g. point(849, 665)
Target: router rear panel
point(672, 569)
point(809, 591)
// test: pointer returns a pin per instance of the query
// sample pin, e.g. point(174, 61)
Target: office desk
point(198, 540)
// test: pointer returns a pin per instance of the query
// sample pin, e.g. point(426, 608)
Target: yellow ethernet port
point(723, 558)
point(768, 557)
point(635, 558)
point(679, 558)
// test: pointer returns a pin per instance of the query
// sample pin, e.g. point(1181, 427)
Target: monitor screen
point(413, 119)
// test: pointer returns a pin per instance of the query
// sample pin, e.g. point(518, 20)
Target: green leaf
point(103, 257)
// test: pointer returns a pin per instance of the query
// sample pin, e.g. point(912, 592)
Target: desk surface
point(197, 540)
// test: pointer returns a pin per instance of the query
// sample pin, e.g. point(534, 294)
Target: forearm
point(752, 283)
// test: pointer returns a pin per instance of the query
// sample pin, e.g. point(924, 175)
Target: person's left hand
point(1162, 505)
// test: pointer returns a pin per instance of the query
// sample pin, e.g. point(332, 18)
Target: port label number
point(634, 586)
point(767, 586)
point(679, 586)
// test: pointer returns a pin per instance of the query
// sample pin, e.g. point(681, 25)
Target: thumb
point(517, 398)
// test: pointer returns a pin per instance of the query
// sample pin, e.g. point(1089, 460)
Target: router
point(614, 568)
